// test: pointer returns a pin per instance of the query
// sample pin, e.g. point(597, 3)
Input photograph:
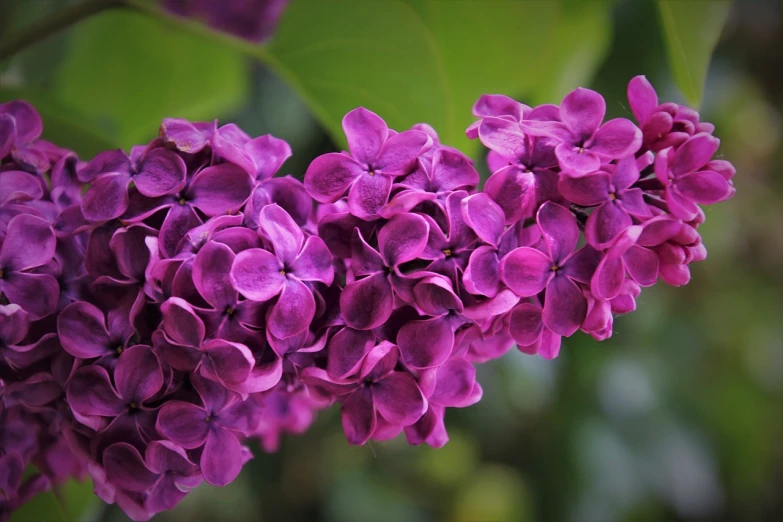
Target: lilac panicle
point(190, 300)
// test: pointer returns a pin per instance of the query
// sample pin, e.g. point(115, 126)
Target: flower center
point(2, 273)
point(283, 272)
point(181, 201)
point(229, 311)
point(581, 150)
point(118, 349)
point(133, 406)
point(207, 419)
point(447, 252)
point(554, 268)
point(612, 196)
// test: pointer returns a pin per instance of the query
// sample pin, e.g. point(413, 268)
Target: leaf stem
point(52, 23)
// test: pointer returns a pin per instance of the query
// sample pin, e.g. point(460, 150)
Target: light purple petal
point(454, 383)
point(268, 154)
point(513, 189)
point(211, 275)
point(616, 138)
point(484, 217)
point(642, 265)
point(588, 191)
point(283, 232)
point(704, 187)
point(230, 362)
point(559, 230)
point(482, 275)
point(19, 185)
point(525, 324)
point(256, 274)
point(452, 170)
point(608, 278)
point(504, 137)
point(314, 262)
point(435, 296)
point(399, 152)
point(107, 198)
point(694, 153)
point(181, 323)
point(221, 460)
point(161, 172)
point(576, 161)
point(642, 98)
point(183, 423)
point(369, 194)
point(28, 122)
point(606, 223)
point(347, 349)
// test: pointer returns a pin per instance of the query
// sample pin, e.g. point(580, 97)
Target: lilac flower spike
point(377, 156)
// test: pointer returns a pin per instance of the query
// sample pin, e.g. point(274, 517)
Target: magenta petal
point(642, 98)
point(526, 271)
point(314, 262)
point(525, 324)
point(90, 392)
point(231, 362)
point(19, 185)
point(183, 423)
point(107, 197)
point(499, 105)
point(7, 134)
point(28, 122)
point(82, 330)
point(161, 172)
point(398, 399)
point(29, 242)
point(293, 311)
point(403, 238)
point(704, 187)
point(514, 190)
point(138, 375)
point(549, 347)
point(399, 152)
point(211, 275)
point(367, 303)
point(559, 229)
point(268, 154)
point(576, 161)
point(347, 349)
point(565, 306)
point(181, 323)
point(616, 138)
point(329, 176)
point(366, 132)
point(126, 469)
point(454, 383)
point(368, 195)
point(435, 296)
point(36, 293)
point(582, 110)
point(694, 153)
point(504, 137)
point(482, 275)
point(642, 265)
point(588, 191)
point(484, 216)
point(186, 136)
point(608, 278)
point(221, 460)
point(606, 223)
point(282, 231)
point(180, 219)
point(358, 416)
point(14, 323)
point(221, 189)
point(256, 274)
point(426, 343)
point(452, 170)
point(364, 259)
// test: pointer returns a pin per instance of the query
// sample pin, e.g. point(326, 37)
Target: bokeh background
point(677, 417)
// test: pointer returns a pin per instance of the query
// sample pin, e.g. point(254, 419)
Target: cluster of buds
point(190, 301)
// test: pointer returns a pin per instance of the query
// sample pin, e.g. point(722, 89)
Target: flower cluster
point(190, 301)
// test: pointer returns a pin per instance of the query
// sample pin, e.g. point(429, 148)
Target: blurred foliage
point(676, 417)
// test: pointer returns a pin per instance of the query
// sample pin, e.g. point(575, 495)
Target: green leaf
point(691, 31)
point(125, 71)
point(429, 60)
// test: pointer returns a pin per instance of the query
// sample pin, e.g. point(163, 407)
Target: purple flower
point(14, 327)
point(29, 244)
point(379, 401)
point(368, 301)
point(526, 326)
point(188, 137)
point(377, 156)
point(685, 184)
point(160, 172)
point(20, 128)
point(261, 157)
point(616, 200)
point(584, 142)
point(260, 275)
point(214, 426)
point(558, 269)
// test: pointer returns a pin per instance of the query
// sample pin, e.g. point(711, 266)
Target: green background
point(676, 417)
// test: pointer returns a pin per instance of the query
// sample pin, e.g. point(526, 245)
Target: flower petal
point(283, 232)
point(435, 297)
point(482, 275)
point(504, 137)
point(294, 310)
point(368, 195)
point(576, 161)
point(89, 392)
point(138, 375)
point(366, 133)
point(126, 469)
point(403, 238)
point(230, 362)
point(606, 223)
point(525, 324)
point(181, 323)
point(642, 265)
point(616, 139)
point(694, 153)
point(36, 293)
point(82, 330)
point(452, 170)
point(268, 154)
point(513, 189)
point(221, 460)
point(642, 98)
point(211, 275)
point(588, 191)
point(704, 187)
point(180, 219)
point(183, 423)
point(398, 399)
point(346, 350)
point(526, 271)
point(161, 172)
point(221, 189)
point(367, 303)
point(107, 198)
point(426, 343)
point(454, 382)
point(582, 110)
point(358, 416)
point(484, 217)
point(400, 152)
point(330, 175)
point(565, 307)
point(28, 122)
point(559, 229)
point(29, 242)
point(256, 274)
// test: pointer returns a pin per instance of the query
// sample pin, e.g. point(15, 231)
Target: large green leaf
point(125, 71)
point(428, 60)
point(691, 30)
